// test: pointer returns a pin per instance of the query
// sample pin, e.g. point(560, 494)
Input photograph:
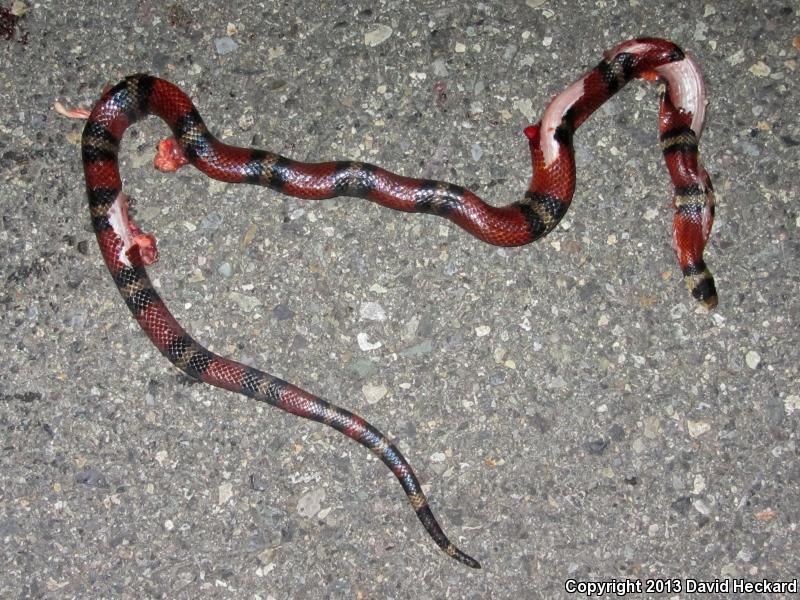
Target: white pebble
point(365, 344)
point(760, 69)
point(477, 151)
point(752, 358)
point(378, 35)
point(438, 457)
point(701, 507)
point(697, 428)
point(225, 492)
point(372, 311)
point(373, 393)
point(699, 484)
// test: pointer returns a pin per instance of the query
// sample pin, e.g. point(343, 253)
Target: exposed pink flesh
point(132, 237)
point(553, 115)
point(71, 113)
point(687, 91)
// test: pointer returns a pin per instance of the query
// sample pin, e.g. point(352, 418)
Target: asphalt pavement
point(571, 413)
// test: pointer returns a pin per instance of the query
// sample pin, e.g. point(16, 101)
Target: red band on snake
point(127, 250)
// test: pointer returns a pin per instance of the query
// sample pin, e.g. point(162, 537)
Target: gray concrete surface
point(569, 411)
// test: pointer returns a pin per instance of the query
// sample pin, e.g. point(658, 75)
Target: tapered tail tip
point(711, 302)
point(701, 285)
point(461, 557)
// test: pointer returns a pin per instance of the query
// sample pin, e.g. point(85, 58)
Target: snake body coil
point(127, 250)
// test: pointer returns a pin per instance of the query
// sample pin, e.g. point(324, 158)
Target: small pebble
point(699, 485)
point(372, 311)
point(246, 303)
point(282, 312)
point(225, 45)
point(597, 446)
point(310, 503)
point(211, 221)
point(225, 270)
point(225, 492)
point(378, 35)
point(652, 427)
point(701, 507)
point(373, 393)
point(477, 152)
point(697, 428)
point(760, 69)
point(439, 67)
point(365, 344)
point(736, 58)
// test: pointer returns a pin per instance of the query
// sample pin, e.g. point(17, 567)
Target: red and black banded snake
point(127, 250)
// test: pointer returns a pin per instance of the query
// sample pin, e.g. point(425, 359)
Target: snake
point(127, 250)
